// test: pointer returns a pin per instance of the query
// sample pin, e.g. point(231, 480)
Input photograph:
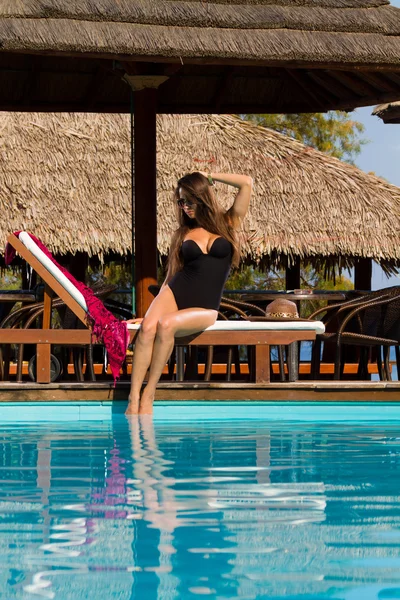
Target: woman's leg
point(163, 304)
point(180, 323)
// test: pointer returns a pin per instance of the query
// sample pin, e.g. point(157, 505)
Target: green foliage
point(10, 280)
point(314, 280)
point(114, 272)
point(250, 278)
point(245, 278)
point(334, 132)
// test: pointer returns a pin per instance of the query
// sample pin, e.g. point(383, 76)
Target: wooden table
point(263, 298)
point(16, 296)
point(270, 295)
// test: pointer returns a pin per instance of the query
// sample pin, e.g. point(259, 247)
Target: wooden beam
point(163, 108)
point(145, 111)
point(328, 84)
point(292, 275)
point(221, 87)
point(30, 82)
point(220, 369)
point(43, 350)
point(350, 392)
point(395, 77)
point(299, 78)
point(256, 337)
point(48, 278)
point(210, 60)
point(262, 364)
point(370, 100)
point(94, 87)
point(378, 81)
point(78, 265)
point(353, 83)
point(61, 337)
point(363, 274)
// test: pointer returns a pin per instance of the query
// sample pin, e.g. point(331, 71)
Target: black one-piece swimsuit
point(201, 281)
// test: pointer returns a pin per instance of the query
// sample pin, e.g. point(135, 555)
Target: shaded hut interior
point(251, 56)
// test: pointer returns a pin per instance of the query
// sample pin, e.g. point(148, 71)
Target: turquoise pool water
point(190, 507)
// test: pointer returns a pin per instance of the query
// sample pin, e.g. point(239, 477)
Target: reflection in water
point(129, 509)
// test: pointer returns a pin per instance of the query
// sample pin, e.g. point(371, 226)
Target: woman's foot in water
point(133, 406)
point(146, 403)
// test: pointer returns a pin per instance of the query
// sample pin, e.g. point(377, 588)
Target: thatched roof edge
point(335, 32)
point(66, 178)
point(389, 112)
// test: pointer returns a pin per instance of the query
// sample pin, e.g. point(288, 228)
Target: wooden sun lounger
point(227, 333)
point(45, 337)
point(259, 335)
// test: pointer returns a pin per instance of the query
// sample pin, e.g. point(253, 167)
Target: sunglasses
point(188, 203)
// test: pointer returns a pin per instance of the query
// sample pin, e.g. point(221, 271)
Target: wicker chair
point(369, 321)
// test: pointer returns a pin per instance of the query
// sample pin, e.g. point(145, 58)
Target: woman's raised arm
point(244, 184)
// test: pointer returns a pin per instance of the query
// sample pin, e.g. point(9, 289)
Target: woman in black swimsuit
point(202, 251)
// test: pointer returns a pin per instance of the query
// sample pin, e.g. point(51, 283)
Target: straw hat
point(282, 309)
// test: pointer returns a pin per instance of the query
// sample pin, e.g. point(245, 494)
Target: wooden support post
point(43, 351)
point(363, 274)
point(78, 265)
point(293, 361)
point(262, 363)
point(180, 363)
point(293, 275)
point(145, 104)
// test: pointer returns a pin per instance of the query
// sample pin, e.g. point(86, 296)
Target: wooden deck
point(303, 391)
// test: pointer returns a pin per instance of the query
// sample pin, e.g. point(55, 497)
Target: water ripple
point(124, 509)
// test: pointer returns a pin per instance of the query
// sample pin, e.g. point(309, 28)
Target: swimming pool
point(266, 506)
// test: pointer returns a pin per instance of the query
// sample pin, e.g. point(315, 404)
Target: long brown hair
point(209, 215)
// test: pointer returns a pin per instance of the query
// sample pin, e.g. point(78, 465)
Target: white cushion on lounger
point(52, 268)
point(237, 325)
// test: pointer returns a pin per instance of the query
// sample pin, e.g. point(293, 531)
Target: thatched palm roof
point(389, 113)
point(217, 56)
point(66, 178)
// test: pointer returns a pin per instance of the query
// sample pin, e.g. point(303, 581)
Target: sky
point(382, 156)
